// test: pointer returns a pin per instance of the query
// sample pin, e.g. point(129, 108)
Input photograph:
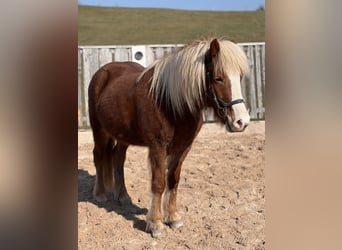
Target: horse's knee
point(158, 186)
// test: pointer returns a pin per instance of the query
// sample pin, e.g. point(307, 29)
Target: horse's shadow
point(129, 212)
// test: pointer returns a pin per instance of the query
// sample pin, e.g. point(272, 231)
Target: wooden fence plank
point(259, 89)
point(263, 80)
point(122, 54)
point(208, 115)
point(91, 65)
point(252, 97)
point(105, 56)
point(243, 82)
point(80, 100)
point(167, 50)
point(159, 53)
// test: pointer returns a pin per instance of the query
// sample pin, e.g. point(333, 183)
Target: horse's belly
point(120, 124)
point(125, 134)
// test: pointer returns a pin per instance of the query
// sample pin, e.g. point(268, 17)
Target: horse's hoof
point(100, 198)
point(176, 224)
point(157, 233)
point(174, 221)
point(155, 228)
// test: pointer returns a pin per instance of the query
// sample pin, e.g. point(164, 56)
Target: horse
point(161, 107)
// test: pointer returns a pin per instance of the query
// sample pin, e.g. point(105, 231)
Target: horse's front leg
point(157, 156)
point(174, 165)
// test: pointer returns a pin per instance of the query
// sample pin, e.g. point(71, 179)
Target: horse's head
point(224, 70)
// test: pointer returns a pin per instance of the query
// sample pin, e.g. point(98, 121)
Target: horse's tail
point(96, 86)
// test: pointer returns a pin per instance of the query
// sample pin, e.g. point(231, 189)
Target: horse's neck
point(193, 119)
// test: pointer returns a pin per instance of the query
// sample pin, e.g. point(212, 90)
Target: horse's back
point(112, 106)
point(119, 68)
point(107, 75)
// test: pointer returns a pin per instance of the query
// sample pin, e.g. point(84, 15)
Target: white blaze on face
point(241, 118)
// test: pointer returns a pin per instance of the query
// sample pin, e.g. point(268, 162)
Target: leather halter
point(221, 105)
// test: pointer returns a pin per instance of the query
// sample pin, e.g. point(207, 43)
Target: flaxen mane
point(179, 78)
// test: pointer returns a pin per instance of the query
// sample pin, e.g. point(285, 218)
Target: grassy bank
point(108, 26)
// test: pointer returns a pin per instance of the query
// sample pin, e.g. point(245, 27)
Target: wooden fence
point(90, 58)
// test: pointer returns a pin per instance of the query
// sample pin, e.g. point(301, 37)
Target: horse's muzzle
point(236, 126)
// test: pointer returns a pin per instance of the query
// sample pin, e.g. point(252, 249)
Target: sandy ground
point(220, 198)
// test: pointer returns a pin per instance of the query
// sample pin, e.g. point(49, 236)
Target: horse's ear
point(233, 41)
point(214, 48)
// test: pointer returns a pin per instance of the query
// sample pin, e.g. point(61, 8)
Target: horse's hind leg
point(120, 191)
point(104, 170)
point(108, 171)
point(174, 164)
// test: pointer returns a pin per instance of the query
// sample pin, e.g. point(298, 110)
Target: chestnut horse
point(161, 107)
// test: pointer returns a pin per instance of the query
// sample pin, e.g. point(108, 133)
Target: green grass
point(123, 26)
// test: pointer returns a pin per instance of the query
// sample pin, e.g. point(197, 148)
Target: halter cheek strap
point(221, 104)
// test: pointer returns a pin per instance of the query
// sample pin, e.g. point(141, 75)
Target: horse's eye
point(219, 79)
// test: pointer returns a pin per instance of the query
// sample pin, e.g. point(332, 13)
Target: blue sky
point(214, 5)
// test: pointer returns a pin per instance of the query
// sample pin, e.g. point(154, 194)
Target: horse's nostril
point(239, 124)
